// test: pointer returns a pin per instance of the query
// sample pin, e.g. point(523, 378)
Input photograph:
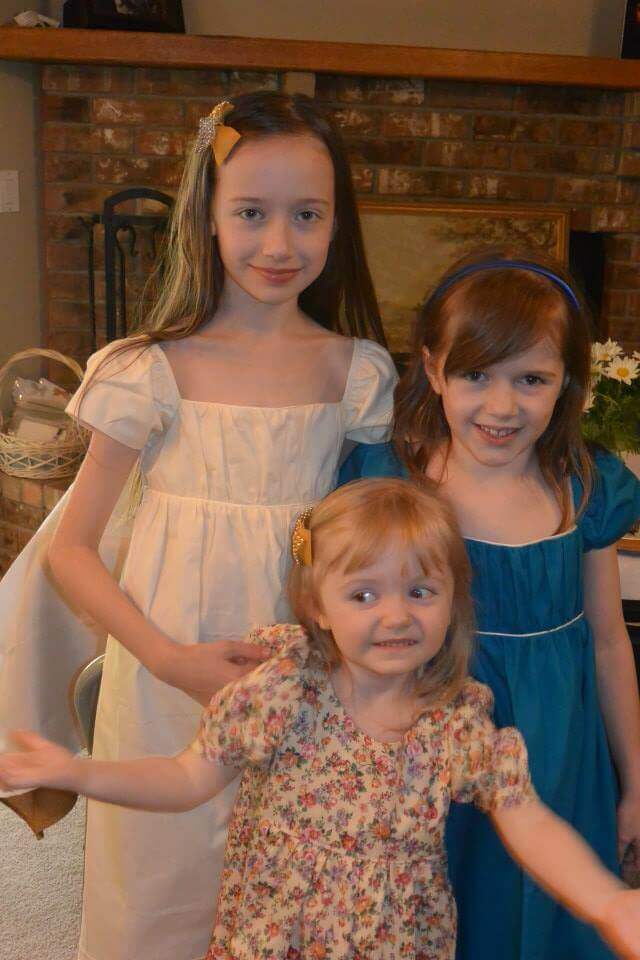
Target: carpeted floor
point(40, 888)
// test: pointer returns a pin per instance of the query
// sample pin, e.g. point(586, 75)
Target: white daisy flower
point(624, 369)
point(605, 352)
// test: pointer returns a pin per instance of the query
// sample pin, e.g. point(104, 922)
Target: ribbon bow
point(214, 133)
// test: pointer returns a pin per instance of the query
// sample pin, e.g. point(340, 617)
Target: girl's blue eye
point(251, 213)
point(473, 376)
point(421, 593)
point(532, 379)
point(363, 596)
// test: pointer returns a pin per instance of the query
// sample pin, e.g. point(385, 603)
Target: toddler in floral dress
point(355, 737)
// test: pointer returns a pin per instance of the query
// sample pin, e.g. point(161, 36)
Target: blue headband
point(508, 264)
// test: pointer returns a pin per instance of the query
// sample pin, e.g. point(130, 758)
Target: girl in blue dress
point(490, 408)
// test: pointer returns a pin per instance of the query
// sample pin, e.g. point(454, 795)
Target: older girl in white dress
point(235, 402)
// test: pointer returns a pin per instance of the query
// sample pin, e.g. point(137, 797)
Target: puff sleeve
point(126, 394)
point(489, 767)
point(614, 503)
point(371, 460)
point(246, 721)
point(367, 404)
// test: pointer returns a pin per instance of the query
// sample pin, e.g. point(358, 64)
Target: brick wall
point(24, 504)
point(104, 129)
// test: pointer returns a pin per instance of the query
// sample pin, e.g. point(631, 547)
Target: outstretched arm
point(564, 865)
point(169, 784)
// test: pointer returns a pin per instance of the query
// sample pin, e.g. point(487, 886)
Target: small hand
point(629, 830)
point(202, 668)
point(619, 923)
point(38, 763)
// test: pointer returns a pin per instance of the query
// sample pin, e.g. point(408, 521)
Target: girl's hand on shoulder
point(619, 923)
point(200, 669)
point(629, 829)
point(37, 763)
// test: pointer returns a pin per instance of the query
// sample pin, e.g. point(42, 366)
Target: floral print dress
point(336, 849)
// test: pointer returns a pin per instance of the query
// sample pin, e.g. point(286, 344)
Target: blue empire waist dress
point(535, 650)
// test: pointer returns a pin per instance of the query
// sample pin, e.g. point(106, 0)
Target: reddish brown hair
point(483, 319)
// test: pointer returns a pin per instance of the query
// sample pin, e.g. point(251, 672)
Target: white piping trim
point(528, 543)
point(538, 633)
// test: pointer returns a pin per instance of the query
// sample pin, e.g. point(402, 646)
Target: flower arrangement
point(612, 411)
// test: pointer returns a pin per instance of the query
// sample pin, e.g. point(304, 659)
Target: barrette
point(301, 540)
point(214, 133)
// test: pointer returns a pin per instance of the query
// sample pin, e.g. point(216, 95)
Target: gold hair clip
point(214, 133)
point(301, 540)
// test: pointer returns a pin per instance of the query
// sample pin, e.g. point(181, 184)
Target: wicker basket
point(38, 460)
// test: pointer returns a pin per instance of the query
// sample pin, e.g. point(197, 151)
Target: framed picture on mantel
point(162, 16)
point(410, 245)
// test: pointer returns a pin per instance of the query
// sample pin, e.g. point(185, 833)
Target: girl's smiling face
point(273, 214)
point(497, 414)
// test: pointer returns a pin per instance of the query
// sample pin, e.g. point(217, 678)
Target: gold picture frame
point(410, 245)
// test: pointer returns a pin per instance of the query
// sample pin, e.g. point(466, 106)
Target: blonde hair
point(485, 318)
point(351, 527)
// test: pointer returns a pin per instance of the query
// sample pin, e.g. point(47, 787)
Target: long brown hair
point(351, 527)
point(484, 318)
point(190, 273)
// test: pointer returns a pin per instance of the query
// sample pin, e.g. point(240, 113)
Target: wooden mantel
point(240, 53)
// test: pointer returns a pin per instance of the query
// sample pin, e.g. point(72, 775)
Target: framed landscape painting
point(410, 245)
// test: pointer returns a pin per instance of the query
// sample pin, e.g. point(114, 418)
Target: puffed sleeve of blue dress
point(614, 503)
point(371, 460)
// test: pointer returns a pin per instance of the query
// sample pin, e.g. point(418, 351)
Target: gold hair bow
point(216, 134)
point(301, 540)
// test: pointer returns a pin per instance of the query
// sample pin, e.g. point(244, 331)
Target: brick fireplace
point(105, 129)
point(108, 128)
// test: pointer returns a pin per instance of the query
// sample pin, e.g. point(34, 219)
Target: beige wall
point(589, 27)
point(19, 234)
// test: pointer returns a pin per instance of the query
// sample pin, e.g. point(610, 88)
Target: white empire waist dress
point(207, 559)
